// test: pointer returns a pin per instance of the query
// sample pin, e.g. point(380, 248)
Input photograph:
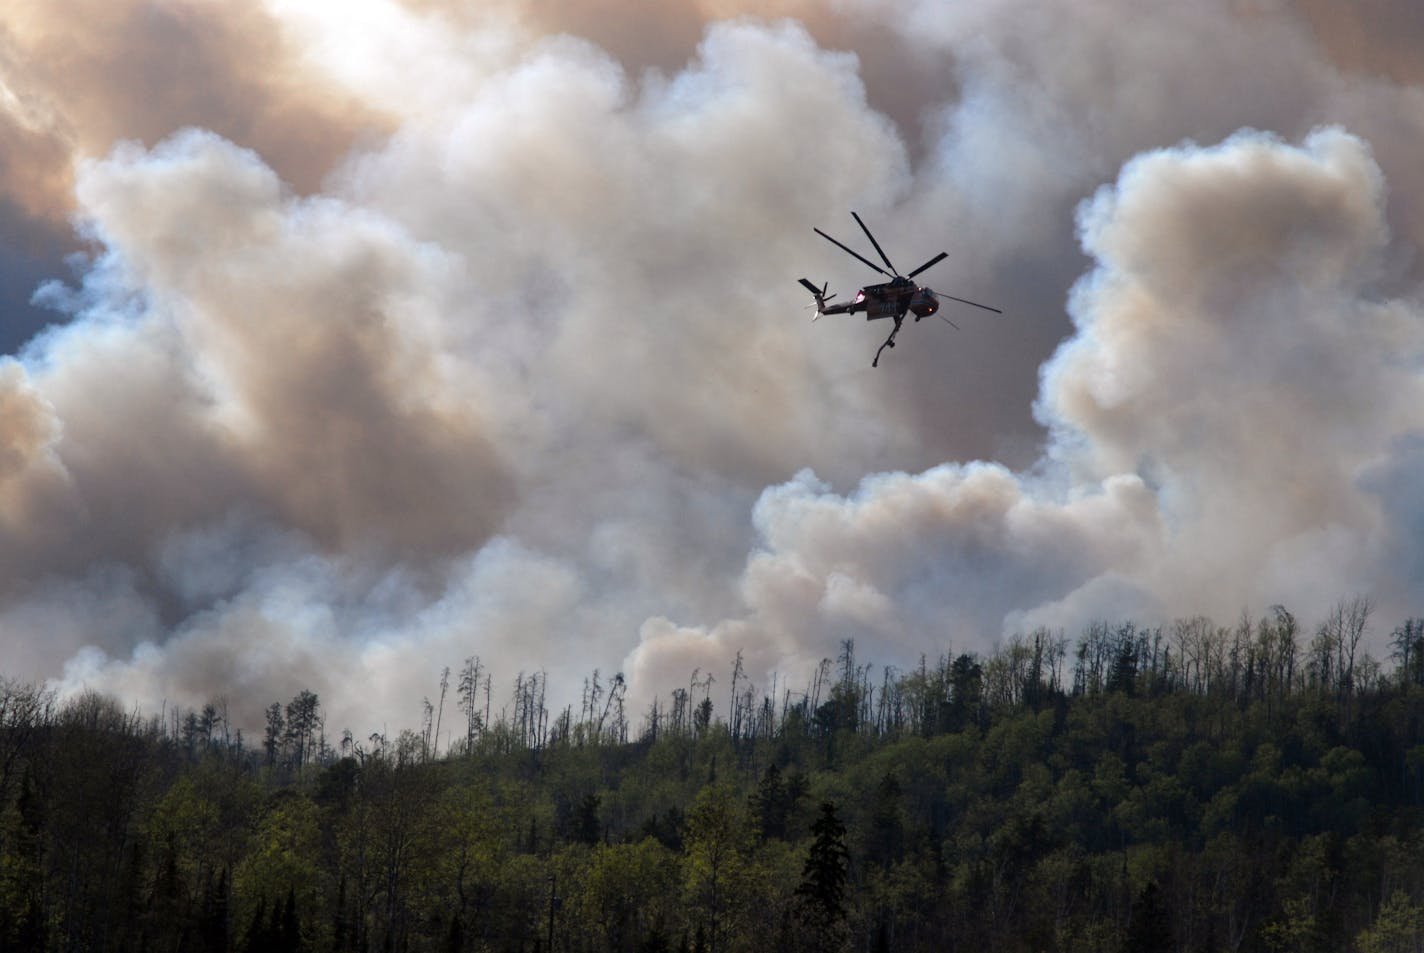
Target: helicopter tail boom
point(820, 296)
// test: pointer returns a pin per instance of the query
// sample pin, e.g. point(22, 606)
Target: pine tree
point(821, 894)
point(586, 824)
point(771, 805)
point(272, 738)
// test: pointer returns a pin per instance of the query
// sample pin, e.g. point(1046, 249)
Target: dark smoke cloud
point(521, 371)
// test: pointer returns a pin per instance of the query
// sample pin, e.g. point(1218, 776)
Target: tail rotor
point(819, 294)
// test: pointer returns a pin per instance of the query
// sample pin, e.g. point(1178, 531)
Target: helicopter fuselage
point(888, 300)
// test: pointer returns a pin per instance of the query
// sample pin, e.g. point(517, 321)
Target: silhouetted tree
point(276, 730)
point(771, 805)
point(586, 828)
point(823, 881)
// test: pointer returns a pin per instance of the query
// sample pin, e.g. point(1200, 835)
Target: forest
point(1189, 787)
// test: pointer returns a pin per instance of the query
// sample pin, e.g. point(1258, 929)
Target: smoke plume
point(400, 332)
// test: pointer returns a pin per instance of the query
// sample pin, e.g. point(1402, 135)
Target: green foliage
point(716, 841)
point(1399, 927)
point(281, 863)
point(1194, 788)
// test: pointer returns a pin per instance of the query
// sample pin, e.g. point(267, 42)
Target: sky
point(344, 341)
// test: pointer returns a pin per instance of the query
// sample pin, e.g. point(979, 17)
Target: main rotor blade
point(873, 241)
point(948, 322)
point(933, 261)
point(941, 294)
point(851, 252)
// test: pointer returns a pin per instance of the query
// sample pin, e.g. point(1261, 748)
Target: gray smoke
point(416, 332)
point(1230, 426)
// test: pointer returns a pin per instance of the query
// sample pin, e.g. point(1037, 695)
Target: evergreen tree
point(771, 805)
point(586, 827)
point(821, 894)
point(272, 738)
point(966, 678)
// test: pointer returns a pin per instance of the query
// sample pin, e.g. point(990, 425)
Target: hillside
point(1198, 788)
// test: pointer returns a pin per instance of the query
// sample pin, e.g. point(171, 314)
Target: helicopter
point(891, 299)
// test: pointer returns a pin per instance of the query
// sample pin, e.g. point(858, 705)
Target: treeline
point(1253, 787)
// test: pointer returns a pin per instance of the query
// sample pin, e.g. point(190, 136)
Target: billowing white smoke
point(515, 380)
point(1233, 347)
point(521, 348)
point(1229, 427)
